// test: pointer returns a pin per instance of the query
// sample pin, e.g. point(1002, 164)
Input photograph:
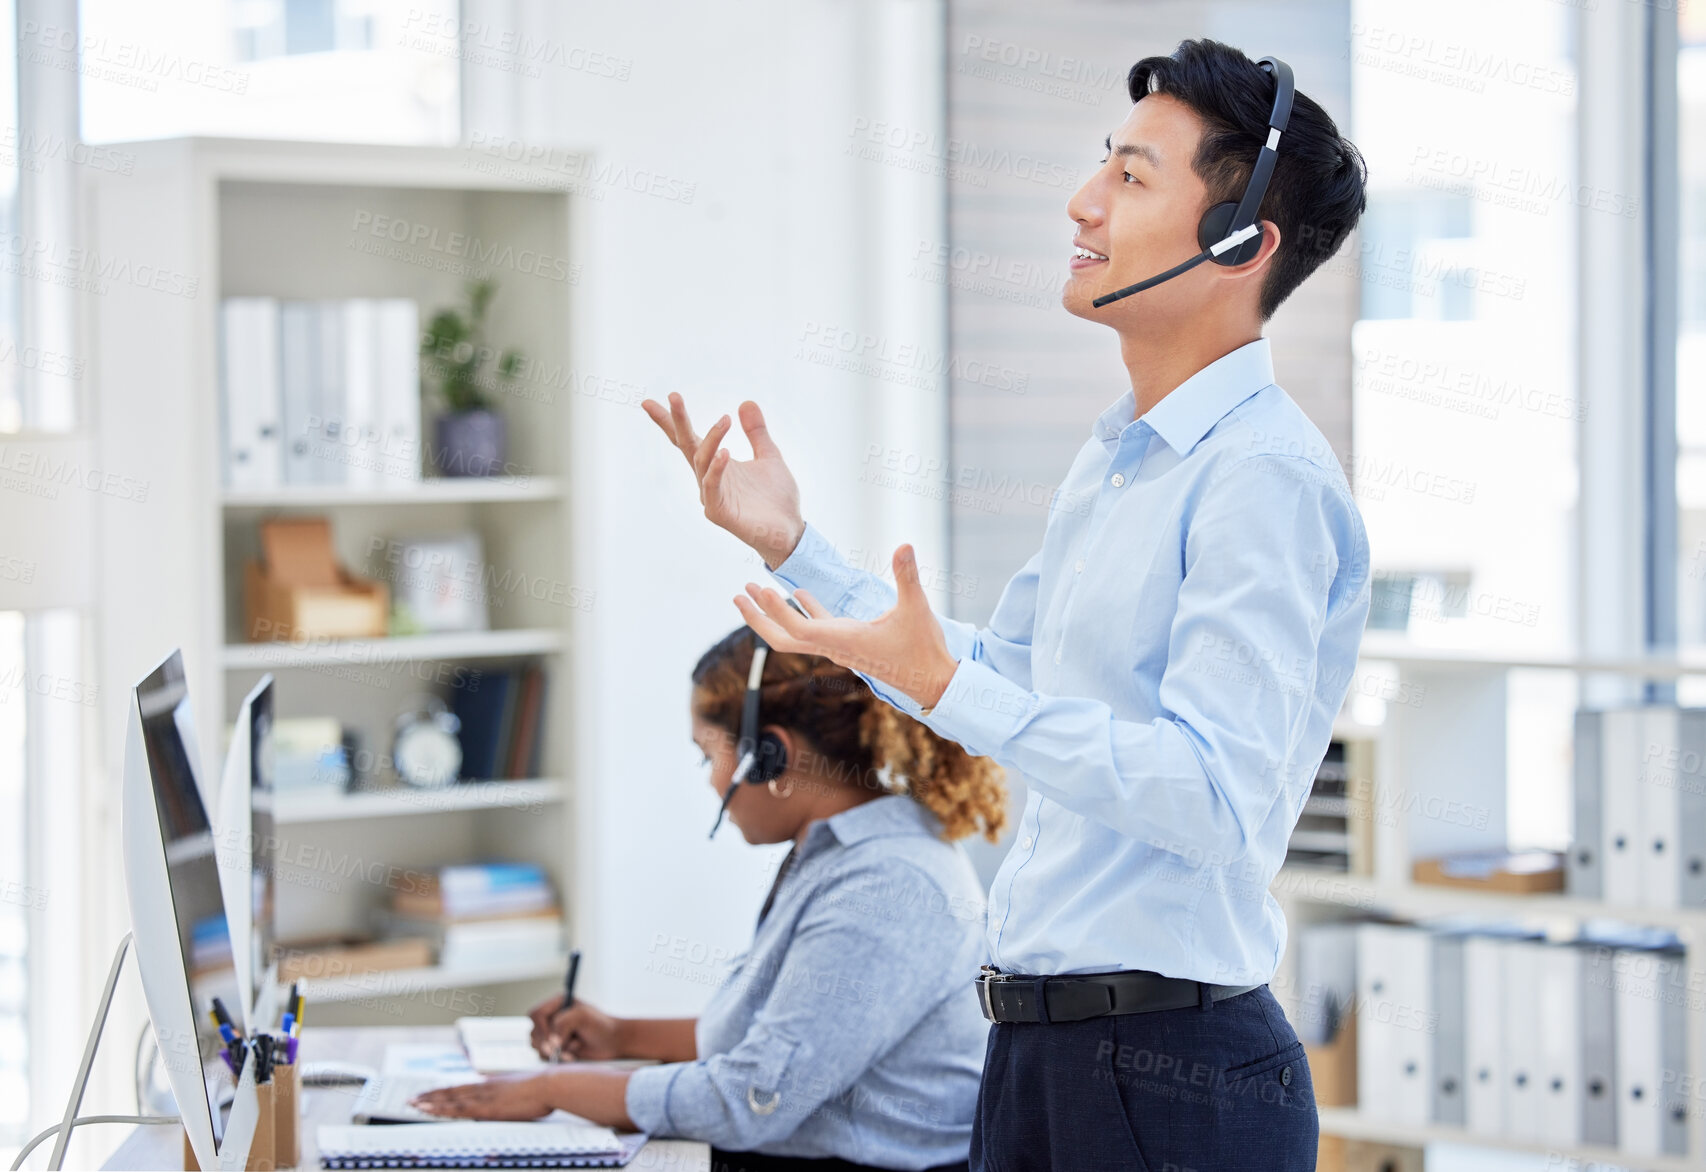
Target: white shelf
point(1388, 648)
point(1350, 1123)
point(388, 983)
point(1419, 900)
point(457, 645)
point(440, 491)
point(402, 801)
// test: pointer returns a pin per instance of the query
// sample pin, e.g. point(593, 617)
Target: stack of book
point(321, 392)
point(477, 912)
point(1335, 830)
point(502, 723)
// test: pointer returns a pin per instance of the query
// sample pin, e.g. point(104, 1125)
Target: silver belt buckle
point(986, 975)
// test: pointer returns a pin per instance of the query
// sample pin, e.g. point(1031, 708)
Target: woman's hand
point(577, 1032)
point(580, 1031)
point(541, 1016)
point(757, 499)
point(594, 1094)
point(511, 1098)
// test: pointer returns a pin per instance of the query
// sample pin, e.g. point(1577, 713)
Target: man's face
point(1140, 211)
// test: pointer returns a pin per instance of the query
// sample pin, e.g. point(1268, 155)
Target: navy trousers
point(1204, 1089)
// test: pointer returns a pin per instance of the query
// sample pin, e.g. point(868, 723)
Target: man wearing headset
point(1164, 672)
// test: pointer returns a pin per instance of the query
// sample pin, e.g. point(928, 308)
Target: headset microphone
point(1228, 232)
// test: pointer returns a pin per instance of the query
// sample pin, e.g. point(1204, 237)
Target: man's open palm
point(757, 499)
point(903, 647)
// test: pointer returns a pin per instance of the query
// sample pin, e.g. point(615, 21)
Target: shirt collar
point(889, 814)
point(1198, 403)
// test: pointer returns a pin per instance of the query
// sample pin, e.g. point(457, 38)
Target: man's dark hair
point(1317, 191)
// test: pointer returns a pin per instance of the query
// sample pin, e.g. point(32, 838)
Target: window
point(14, 890)
point(45, 701)
point(13, 394)
point(341, 70)
point(1463, 358)
point(1691, 325)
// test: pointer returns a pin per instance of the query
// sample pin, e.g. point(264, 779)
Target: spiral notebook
point(474, 1145)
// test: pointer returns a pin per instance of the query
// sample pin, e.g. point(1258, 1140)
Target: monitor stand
point(244, 1110)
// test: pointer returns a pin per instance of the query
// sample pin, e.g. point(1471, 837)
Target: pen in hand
point(568, 1000)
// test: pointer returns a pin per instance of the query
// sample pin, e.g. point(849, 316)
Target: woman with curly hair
point(849, 1036)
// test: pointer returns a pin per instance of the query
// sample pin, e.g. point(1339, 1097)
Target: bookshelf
point(297, 221)
point(1444, 738)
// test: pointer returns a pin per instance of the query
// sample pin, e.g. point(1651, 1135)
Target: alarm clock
point(425, 750)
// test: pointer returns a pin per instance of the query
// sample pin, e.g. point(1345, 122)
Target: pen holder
point(277, 1143)
point(286, 1119)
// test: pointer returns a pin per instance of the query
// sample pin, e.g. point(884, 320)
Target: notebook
point(499, 1045)
point(474, 1145)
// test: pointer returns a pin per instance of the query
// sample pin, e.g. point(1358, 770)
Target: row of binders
point(1505, 1034)
point(1640, 807)
point(320, 392)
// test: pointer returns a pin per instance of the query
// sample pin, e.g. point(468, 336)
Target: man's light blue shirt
point(1164, 674)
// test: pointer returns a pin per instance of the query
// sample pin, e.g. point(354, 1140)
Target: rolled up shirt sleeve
point(848, 591)
point(823, 1023)
point(1239, 683)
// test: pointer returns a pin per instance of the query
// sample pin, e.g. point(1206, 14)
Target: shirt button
point(1079, 567)
point(1025, 843)
point(1118, 479)
point(1285, 1077)
point(1057, 655)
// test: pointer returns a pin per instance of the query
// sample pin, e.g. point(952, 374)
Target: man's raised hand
point(903, 647)
point(757, 499)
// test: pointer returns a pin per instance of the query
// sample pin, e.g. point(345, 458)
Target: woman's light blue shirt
point(852, 1027)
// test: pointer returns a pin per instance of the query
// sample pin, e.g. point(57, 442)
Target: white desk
point(152, 1148)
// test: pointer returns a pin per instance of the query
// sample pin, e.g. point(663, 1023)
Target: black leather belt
point(1019, 997)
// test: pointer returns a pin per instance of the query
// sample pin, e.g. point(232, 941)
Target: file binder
point(1623, 733)
point(1584, 871)
point(250, 395)
point(1449, 999)
point(1599, 1047)
point(1650, 1023)
point(1484, 1035)
point(1673, 806)
point(1395, 1023)
point(1525, 1105)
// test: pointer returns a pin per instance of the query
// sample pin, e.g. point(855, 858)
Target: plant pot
point(469, 443)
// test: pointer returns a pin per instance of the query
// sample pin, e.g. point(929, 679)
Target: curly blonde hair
point(862, 741)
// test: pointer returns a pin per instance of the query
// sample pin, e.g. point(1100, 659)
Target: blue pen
point(285, 1024)
point(227, 1033)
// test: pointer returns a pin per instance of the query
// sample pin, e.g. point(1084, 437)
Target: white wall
point(747, 109)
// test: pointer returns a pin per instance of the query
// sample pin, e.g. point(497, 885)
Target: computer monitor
point(177, 908)
point(248, 846)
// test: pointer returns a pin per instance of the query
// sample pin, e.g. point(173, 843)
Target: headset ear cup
point(770, 760)
point(1215, 226)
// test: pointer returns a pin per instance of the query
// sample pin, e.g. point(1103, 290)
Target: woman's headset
point(760, 758)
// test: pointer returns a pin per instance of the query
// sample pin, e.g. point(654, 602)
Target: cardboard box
point(1333, 1066)
point(1361, 1155)
point(297, 590)
point(1521, 873)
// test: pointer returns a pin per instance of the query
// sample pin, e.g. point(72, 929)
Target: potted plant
point(469, 434)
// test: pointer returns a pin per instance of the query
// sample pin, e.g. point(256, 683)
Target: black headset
point(759, 757)
point(1228, 233)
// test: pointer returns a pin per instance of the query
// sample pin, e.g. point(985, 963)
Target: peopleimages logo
point(464, 246)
